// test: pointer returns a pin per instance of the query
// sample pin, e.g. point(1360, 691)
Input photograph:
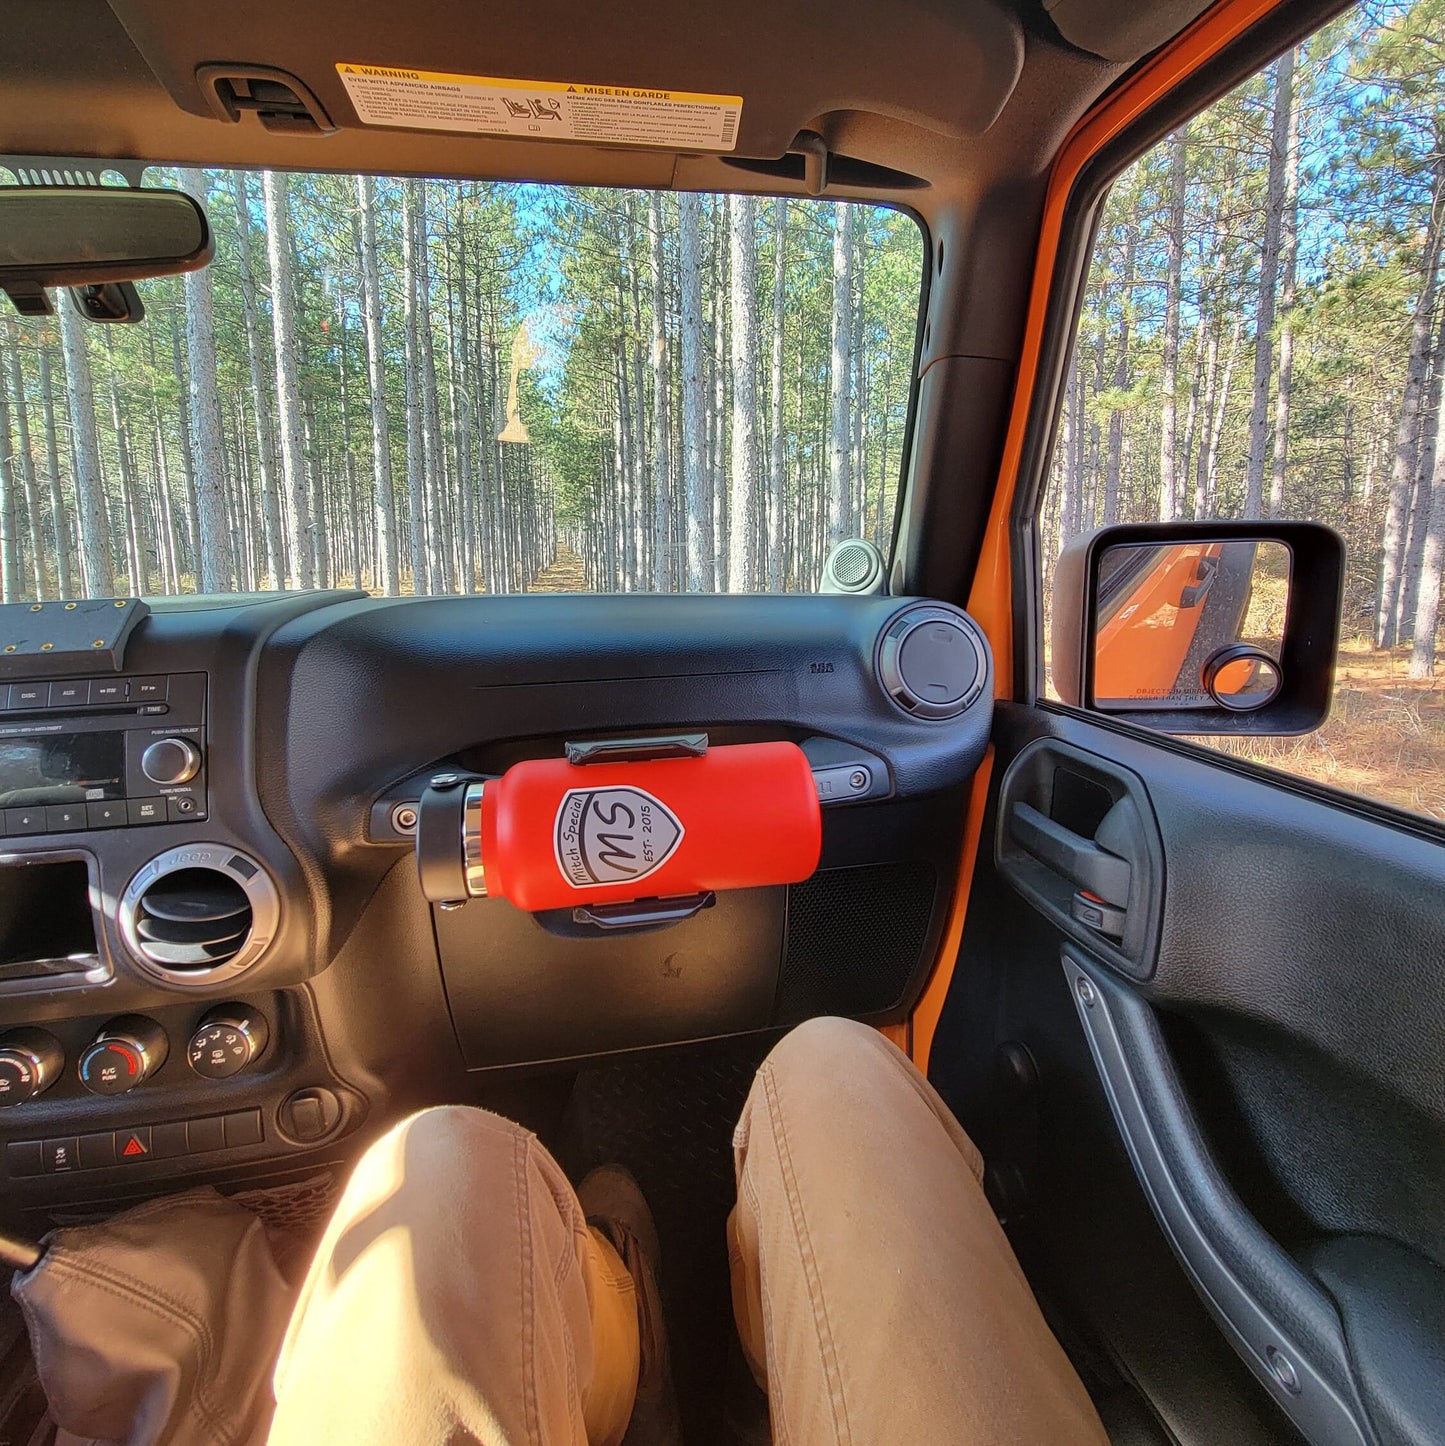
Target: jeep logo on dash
point(613, 835)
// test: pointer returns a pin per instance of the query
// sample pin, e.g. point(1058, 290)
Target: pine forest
point(1263, 326)
point(440, 387)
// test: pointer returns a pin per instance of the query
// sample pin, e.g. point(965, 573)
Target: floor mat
point(668, 1117)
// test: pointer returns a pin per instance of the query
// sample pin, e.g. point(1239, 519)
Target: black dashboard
point(216, 961)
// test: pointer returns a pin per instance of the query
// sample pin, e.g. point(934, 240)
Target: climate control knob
point(125, 1052)
point(226, 1041)
point(30, 1059)
point(169, 761)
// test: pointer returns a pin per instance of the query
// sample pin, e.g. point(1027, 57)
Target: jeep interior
point(1030, 411)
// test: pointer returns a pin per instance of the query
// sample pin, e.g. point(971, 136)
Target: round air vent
point(197, 915)
point(932, 662)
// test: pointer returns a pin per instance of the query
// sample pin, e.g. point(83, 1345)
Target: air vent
point(198, 915)
point(932, 661)
point(193, 919)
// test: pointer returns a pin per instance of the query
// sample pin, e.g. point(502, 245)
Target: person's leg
point(459, 1295)
point(876, 1294)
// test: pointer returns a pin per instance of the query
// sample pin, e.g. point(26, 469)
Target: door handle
point(1076, 858)
point(1195, 594)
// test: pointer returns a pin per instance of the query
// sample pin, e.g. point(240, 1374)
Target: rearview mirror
point(1201, 627)
point(54, 236)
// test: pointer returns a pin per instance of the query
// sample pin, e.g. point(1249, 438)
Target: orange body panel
point(1141, 649)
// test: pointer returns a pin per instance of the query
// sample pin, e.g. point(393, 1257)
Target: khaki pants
point(459, 1296)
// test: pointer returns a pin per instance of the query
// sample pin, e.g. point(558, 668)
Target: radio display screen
point(61, 768)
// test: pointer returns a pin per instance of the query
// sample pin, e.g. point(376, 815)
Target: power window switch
point(1102, 917)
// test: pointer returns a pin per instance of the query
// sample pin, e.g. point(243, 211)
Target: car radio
point(104, 752)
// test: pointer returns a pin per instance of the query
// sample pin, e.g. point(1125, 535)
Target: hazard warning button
point(133, 1144)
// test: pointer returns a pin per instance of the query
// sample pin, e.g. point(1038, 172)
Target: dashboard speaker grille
point(193, 919)
point(854, 939)
point(851, 565)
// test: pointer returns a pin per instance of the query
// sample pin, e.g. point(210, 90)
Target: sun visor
point(738, 79)
point(1123, 33)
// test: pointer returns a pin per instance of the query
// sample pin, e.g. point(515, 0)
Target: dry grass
point(1384, 738)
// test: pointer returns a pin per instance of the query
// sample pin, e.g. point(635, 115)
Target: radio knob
point(226, 1041)
point(29, 1061)
point(127, 1051)
point(170, 761)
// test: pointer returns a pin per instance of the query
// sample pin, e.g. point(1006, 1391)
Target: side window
point(1263, 335)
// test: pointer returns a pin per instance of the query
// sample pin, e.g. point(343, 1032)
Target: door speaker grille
point(855, 938)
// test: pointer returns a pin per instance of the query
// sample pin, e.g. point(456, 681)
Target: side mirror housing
point(1200, 627)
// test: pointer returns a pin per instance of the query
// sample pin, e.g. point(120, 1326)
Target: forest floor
point(1384, 739)
point(565, 575)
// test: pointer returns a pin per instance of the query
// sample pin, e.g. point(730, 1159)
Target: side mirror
point(1200, 627)
point(72, 236)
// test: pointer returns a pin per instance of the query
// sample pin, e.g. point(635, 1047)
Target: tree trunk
point(384, 495)
point(96, 560)
point(1259, 431)
point(1432, 563)
point(129, 501)
point(1174, 243)
point(11, 585)
point(661, 386)
point(744, 356)
point(439, 556)
point(217, 568)
point(188, 464)
point(59, 514)
point(288, 396)
point(840, 521)
point(274, 537)
point(1114, 475)
point(694, 401)
point(774, 530)
point(1407, 431)
point(26, 458)
point(1288, 253)
point(1210, 327)
point(1069, 427)
point(415, 433)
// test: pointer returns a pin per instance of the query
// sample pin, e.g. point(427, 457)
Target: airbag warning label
point(542, 109)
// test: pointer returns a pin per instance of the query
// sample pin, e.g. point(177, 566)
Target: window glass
point(1263, 335)
point(443, 387)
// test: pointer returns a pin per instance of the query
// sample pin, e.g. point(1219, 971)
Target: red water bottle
point(549, 834)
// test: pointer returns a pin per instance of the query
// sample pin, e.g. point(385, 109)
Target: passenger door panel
point(1276, 1068)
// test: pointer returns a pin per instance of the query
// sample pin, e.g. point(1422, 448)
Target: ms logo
point(613, 835)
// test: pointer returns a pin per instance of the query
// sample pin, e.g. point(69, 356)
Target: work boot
point(612, 1203)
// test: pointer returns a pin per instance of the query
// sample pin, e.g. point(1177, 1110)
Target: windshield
point(445, 387)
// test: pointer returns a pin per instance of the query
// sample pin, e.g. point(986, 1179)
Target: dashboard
point(216, 959)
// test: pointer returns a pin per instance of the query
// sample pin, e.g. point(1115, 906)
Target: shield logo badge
point(613, 835)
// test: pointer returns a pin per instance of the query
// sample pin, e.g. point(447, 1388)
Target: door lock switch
point(1103, 918)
